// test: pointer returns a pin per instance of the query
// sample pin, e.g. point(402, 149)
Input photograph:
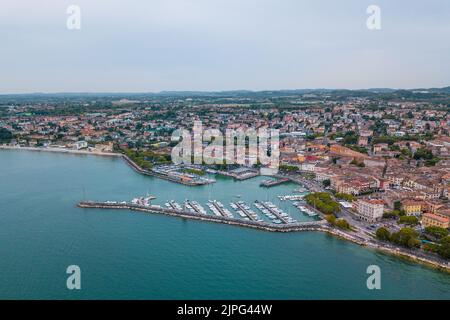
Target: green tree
point(406, 237)
point(331, 218)
point(383, 234)
point(5, 135)
point(436, 232)
point(288, 168)
point(444, 248)
point(323, 202)
point(391, 215)
point(345, 196)
point(409, 220)
point(343, 224)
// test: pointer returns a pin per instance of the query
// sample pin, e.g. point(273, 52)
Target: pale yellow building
point(436, 220)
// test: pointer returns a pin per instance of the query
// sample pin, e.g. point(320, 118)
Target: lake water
point(129, 255)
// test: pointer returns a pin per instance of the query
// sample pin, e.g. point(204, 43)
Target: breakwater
point(298, 226)
point(321, 226)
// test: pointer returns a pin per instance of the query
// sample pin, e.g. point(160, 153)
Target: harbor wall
point(299, 226)
point(321, 226)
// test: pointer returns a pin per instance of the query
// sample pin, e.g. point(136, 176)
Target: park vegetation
point(145, 158)
point(427, 156)
point(340, 223)
point(323, 202)
point(409, 238)
point(345, 196)
point(408, 220)
point(288, 168)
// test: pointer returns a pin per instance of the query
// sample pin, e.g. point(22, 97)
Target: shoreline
point(124, 157)
point(393, 251)
point(61, 150)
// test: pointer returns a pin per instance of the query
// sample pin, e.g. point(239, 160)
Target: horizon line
point(218, 91)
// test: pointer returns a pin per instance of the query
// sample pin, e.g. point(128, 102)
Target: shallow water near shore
point(129, 255)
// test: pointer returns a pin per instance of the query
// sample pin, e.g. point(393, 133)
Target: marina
point(321, 225)
point(194, 206)
point(169, 173)
point(218, 209)
point(293, 197)
point(300, 190)
point(302, 208)
point(277, 215)
point(145, 201)
point(173, 205)
point(245, 211)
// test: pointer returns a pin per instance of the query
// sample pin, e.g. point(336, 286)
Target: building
point(369, 210)
point(363, 141)
point(435, 220)
point(80, 145)
point(412, 207)
point(346, 152)
point(353, 184)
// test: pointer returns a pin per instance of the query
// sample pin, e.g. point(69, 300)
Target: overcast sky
point(153, 45)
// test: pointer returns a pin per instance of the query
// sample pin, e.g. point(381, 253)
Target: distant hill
point(440, 95)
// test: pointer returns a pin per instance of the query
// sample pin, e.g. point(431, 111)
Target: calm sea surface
point(129, 255)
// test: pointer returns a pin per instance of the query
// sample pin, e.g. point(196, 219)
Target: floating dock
point(173, 205)
point(302, 207)
point(273, 182)
point(242, 207)
point(270, 207)
point(218, 209)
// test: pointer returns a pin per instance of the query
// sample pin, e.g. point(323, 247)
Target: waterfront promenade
point(62, 150)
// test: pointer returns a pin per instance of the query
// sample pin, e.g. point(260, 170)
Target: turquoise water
point(129, 255)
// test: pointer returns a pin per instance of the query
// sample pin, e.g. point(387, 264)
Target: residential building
point(369, 210)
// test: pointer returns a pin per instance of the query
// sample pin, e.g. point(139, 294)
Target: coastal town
point(376, 164)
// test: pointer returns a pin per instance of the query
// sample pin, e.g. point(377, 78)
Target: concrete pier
point(245, 211)
point(276, 214)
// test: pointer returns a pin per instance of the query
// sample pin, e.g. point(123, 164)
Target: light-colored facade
point(369, 210)
point(412, 207)
point(435, 220)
